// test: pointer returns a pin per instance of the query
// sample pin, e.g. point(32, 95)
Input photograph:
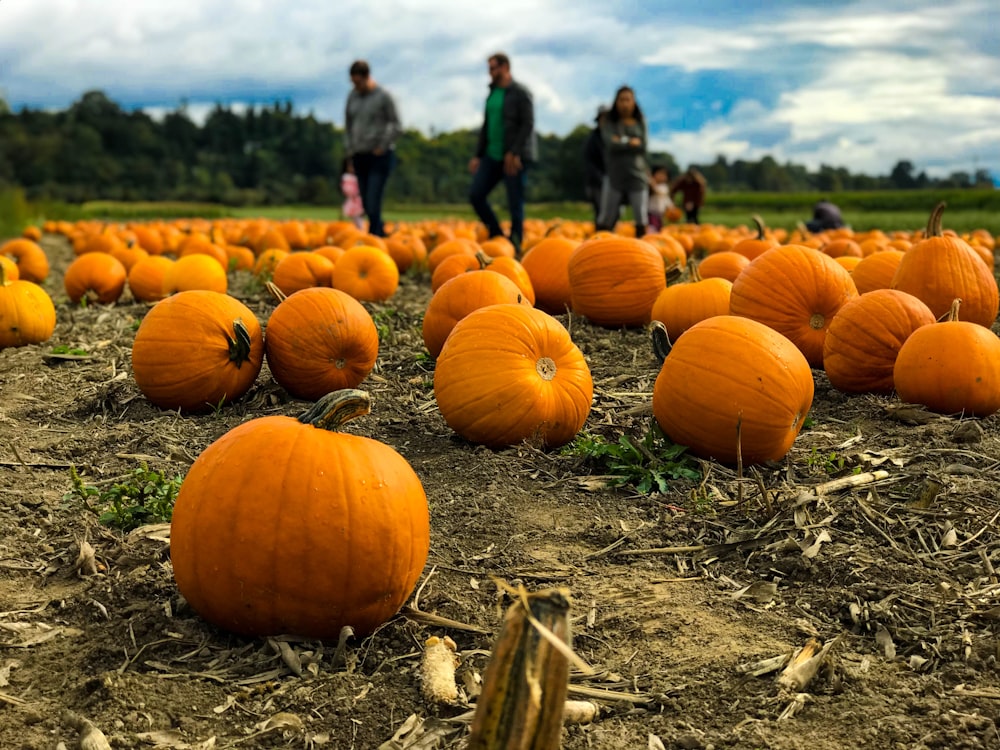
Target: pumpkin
point(875, 271)
point(941, 268)
point(195, 271)
point(301, 270)
point(27, 315)
point(238, 258)
point(544, 392)
point(96, 277)
point(864, 338)
point(196, 350)
point(680, 306)
point(724, 265)
point(752, 247)
point(147, 277)
point(320, 340)
point(614, 281)
point(10, 271)
point(283, 525)
point(367, 273)
point(796, 290)
point(407, 250)
point(951, 367)
point(547, 265)
point(458, 297)
point(733, 389)
point(32, 263)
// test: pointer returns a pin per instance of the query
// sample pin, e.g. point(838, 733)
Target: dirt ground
point(896, 575)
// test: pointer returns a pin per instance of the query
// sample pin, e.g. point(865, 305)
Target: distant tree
point(901, 175)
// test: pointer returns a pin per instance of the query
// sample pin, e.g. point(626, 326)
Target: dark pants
point(373, 173)
point(489, 174)
point(594, 196)
point(691, 214)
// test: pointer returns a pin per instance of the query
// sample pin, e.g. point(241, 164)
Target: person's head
point(659, 173)
point(498, 65)
point(360, 74)
point(625, 105)
point(602, 112)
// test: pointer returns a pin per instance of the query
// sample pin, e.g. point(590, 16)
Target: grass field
point(888, 210)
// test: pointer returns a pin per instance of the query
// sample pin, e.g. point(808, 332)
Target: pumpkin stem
point(239, 343)
point(693, 273)
point(3, 275)
point(661, 340)
point(760, 226)
point(278, 295)
point(934, 222)
point(336, 409)
point(952, 315)
point(483, 258)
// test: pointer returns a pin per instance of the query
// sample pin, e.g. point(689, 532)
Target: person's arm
point(525, 120)
point(616, 141)
point(393, 127)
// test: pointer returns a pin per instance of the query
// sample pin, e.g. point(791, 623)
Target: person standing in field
point(691, 184)
point(659, 195)
point(507, 146)
point(352, 207)
point(593, 163)
point(371, 127)
point(624, 133)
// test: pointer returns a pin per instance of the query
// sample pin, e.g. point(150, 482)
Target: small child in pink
point(353, 208)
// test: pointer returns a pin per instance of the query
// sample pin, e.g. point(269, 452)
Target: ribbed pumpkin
point(284, 526)
point(302, 270)
point(509, 373)
point(614, 281)
point(197, 349)
point(941, 268)
point(547, 264)
point(367, 273)
point(729, 382)
point(98, 277)
point(32, 262)
point(875, 271)
point(27, 315)
point(863, 340)
point(680, 306)
point(458, 297)
point(951, 367)
point(796, 290)
point(320, 340)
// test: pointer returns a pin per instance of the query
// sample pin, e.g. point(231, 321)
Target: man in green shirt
point(507, 146)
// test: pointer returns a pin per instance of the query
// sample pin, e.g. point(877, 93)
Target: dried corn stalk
point(525, 686)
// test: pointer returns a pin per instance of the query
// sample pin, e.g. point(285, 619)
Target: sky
point(860, 84)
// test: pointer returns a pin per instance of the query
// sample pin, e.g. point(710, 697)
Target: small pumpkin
point(320, 340)
point(733, 389)
point(680, 306)
point(302, 270)
point(98, 277)
point(547, 265)
point(875, 271)
point(196, 350)
point(283, 525)
point(32, 262)
point(146, 278)
point(367, 273)
point(951, 367)
point(544, 393)
point(614, 281)
point(195, 271)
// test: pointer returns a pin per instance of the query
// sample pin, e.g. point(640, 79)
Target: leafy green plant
point(70, 350)
point(145, 496)
point(384, 320)
point(647, 464)
point(829, 463)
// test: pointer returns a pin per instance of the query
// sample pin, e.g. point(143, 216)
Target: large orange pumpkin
point(796, 290)
point(146, 279)
point(680, 306)
point(951, 367)
point(614, 281)
point(284, 526)
point(861, 345)
point(547, 264)
point(196, 350)
point(732, 387)
point(875, 271)
point(943, 267)
point(544, 390)
point(27, 315)
point(320, 340)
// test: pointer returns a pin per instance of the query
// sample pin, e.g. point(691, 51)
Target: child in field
point(352, 208)
point(659, 196)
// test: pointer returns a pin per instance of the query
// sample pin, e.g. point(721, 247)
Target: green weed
point(145, 496)
point(648, 464)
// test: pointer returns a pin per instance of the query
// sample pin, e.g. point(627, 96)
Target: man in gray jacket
point(507, 146)
point(371, 127)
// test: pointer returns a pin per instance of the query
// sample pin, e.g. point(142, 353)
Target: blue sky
point(855, 84)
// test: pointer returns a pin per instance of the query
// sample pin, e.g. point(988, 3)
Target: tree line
point(271, 155)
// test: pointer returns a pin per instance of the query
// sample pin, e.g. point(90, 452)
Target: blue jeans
point(373, 173)
point(487, 177)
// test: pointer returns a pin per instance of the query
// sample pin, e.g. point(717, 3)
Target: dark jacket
point(518, 124)
point(692, 186)
point(593, 159)
point(826, 215)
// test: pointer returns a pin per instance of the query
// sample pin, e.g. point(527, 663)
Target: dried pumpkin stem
point(276, 292)
point(239, 343)
point(483, 258)
point(337, 408)
point(760, 226)
point(934, 222)
point(952, 315)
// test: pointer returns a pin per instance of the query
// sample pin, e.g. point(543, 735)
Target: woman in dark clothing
point(692, 186)
point(624, 132)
